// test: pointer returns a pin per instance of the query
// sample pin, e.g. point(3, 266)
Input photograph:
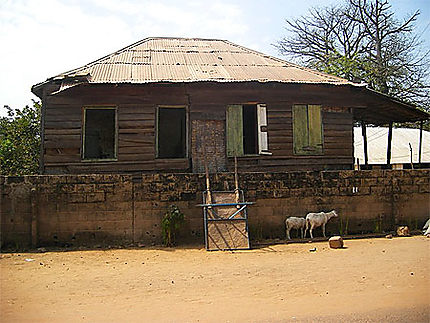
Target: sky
point(42, 38)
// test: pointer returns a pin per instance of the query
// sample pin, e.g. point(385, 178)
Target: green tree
point(362, 40)
point(20, 140)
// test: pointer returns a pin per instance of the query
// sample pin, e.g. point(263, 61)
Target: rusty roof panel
point(141, 73)
point(168, 58)
point(194, 60)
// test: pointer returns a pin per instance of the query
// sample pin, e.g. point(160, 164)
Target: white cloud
point(41, 39)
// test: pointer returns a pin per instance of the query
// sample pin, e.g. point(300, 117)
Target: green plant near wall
point(170, 224)
point(378, 225)
point(343, 226)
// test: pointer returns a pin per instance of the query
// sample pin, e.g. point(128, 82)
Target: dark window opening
point(250, 123)
point(100, 133)
point(171, 133)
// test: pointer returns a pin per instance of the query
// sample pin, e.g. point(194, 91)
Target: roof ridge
point(106, 56)
point(139, 42)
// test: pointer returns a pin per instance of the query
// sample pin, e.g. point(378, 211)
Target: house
point(169, 104)
point(406, 144)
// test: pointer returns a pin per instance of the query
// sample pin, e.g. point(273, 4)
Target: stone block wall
point(93, 209)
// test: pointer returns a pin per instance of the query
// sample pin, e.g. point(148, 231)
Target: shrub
point(171, 222)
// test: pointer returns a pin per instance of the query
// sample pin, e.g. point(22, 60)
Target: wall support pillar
point(34, 217)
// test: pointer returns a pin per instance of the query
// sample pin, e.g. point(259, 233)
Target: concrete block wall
point(93, 209)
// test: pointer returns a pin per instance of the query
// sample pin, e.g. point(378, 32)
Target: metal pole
point(390, 137)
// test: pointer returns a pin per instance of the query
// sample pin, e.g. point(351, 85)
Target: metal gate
point(225, 220)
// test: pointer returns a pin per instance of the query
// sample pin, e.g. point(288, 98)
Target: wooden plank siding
point(136, 114)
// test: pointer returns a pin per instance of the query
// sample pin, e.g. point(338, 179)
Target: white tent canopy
point(377, 140)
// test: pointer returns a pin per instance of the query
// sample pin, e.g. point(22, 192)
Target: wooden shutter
point(263, 142)
point(307, 130)
point(300, 129)
point(234, 131)
point(315, 129)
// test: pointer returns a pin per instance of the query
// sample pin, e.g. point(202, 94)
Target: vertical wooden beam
point(42, 134)
point(421, 142)
point(390, 137)
point(363, 132)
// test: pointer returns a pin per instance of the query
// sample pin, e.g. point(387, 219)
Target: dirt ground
point(371, 280)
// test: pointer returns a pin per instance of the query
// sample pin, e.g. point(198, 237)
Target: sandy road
point(371, 280)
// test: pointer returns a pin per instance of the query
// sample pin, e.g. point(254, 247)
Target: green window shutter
point(315, 129)
point(300, 129)
point(234, 131)
point(307, 130)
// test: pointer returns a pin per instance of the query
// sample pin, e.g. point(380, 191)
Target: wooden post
point(421, 143)
point(390, 137)
point(363, 132)
point(208, 186)
point(236, 182)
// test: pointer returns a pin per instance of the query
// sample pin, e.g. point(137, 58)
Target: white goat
point(426, 228)
point(314, 220)
point(294, 223)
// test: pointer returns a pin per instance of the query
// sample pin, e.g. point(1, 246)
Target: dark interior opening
point(99, 134)
point(171, 133)
point(249, 116)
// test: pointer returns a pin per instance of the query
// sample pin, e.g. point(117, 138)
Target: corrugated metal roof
point(377, 139)
point(193, 60)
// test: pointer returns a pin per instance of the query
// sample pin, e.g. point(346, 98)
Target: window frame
point(316, 150)
point(84, 123)
point(187, 127)
point(262, 138)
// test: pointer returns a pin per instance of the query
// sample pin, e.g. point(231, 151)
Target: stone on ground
point(335, 242)
point(403, 231)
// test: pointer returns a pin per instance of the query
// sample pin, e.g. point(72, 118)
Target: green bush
point(20, 141)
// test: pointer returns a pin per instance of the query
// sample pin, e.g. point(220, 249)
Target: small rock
point(403, 231)
point(41, 249)
point(312, 250)
point(335, 242)
point(412, 273)
point(29, 259)
point(389, 236)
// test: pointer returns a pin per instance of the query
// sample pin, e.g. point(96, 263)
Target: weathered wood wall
point(136, 106)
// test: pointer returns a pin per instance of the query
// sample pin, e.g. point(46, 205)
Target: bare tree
point(362, 40)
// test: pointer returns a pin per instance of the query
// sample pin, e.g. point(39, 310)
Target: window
point(246, 130)
point(307, 130)
point(171, 132)
point(99, 140)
